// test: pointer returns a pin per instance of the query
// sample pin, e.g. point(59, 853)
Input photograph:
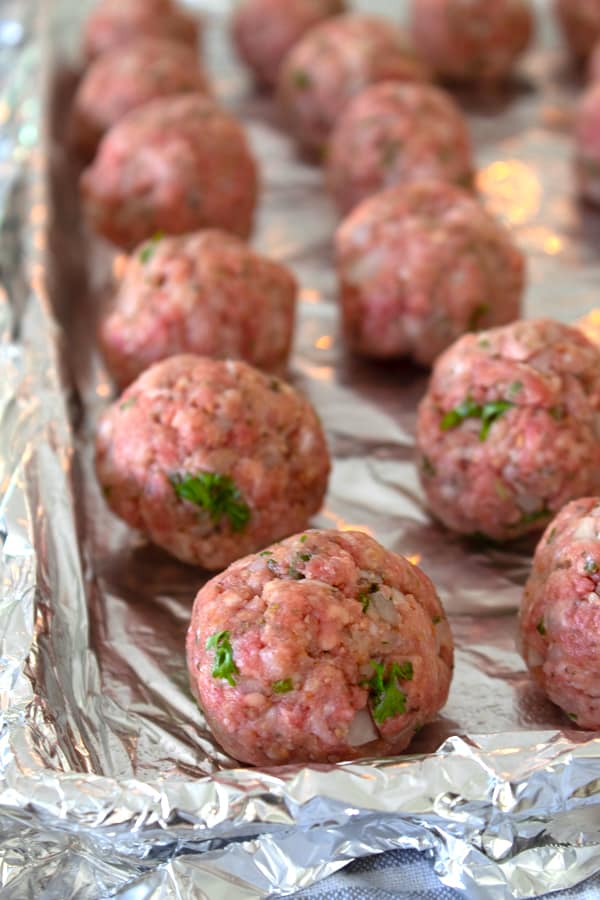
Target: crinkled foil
point(110, 783)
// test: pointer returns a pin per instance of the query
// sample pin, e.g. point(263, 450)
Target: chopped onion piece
point(362, 730)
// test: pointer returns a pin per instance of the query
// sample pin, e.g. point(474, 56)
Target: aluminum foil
point(110, 783)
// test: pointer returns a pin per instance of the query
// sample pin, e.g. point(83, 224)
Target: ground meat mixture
point(587, 144)
point(508, 431)
point(335, 61)
point(173, 165)
point(420, 265)
point(560, 613)
point(127, 77)
point(206, 293)
point(114, 23)
point(211, 459)
point(322, 648)
point(264, 31)
point(393, 133)
point(477, 41)
point(580, 24)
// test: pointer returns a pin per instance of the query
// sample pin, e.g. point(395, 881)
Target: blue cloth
point(408, 875)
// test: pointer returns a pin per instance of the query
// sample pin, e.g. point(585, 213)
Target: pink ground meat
point(420, 265)
point(175, 165)
point(335, 61)
point(593, 66)
point(322, 648)
point(211, 459)
point(392, 133)
point(264, 31)
point(204, 293)
point(474, 41)
point(580, 23)
point(587, 144)
point(560, 613)
point(508, 430)
point(115, 22)
point(127, 77)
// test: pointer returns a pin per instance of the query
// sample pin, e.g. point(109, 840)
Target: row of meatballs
point(323, 646)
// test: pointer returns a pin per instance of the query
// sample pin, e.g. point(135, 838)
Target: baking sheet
point(108, 773)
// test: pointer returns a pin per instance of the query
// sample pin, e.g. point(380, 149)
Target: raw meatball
point(204, 293)
point(477, 40)
point(322, 648)
point(560, 613)
point(265, 30)
point(580, 23)
point(122, 79)
point(115, 22)
point(175, 165)
point(418, 266)
point(587, 143)
point(593, 70)
point(211, 459)
point(508, 430)
point(393, 133)
point(335, 61)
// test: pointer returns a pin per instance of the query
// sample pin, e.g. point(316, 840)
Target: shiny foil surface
point(110, 783)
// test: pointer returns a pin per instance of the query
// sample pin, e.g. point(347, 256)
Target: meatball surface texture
point(587, 144)
point(559, 622)
point(507, 432)
point(264, 31)
point(335, 61)
point(420, 265)
point(321, 648)
point(174, 165)
point(580, 24)
point(393, 133)
point(114, 23)
point(211, 459)
point(206, 293)
point(476, 41)
point(127, 77)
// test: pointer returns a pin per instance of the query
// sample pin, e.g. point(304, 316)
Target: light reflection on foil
point(590, 325)
point(511, 189)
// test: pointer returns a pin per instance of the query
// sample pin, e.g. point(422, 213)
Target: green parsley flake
point(572, 715)
point(303, 539)
point(365, 600)
point(266, 553)
point(590, 566)
point(528, 518)
point(215, 493)
point(295, 573)
point(557, 413)
point(389, 153)
point(127, 404)
point(283, 687)
point(514, 388)
point(301, 79)
point(468, 409)
point(149, 248)
point(477, 315)
point(436, 620)
point(428, 467)
point(386, 697)
point(223, 664)
point(541, 628)
point(551, 536)
point(305, 557)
